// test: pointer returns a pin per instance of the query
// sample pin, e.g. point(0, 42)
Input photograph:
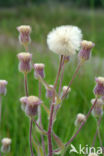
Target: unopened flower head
point(39, 70)
point(98, 109)
point(3, 88)
point(6, 142)
point(85, 52)
point(24, 36)
point(99, 88)
point(32, 105)
point(64, 89)
point(92, 154)
point(80, 119)
point(64, 40)
point(23, 101)
point(50, 91)
point(25, 62)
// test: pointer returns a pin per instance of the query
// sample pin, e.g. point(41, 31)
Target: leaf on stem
point(38, 149)
point(46, 109)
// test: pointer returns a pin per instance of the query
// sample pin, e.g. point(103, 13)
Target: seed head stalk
point(61, 78)
point(79, 129)
point(52, 111)
point(75, 74)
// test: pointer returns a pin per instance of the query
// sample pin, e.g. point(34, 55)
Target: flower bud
point(80, 118)
point(64, 89)
point(32, 105)
point(50, 91)
point(39, 70)
point(24, 36)
point(85, 52)
point(3, 88)
point(98, 109)
point(23, 101)
point(25, 62)
point(92, 154)
point(99, 88)
point(6, 145)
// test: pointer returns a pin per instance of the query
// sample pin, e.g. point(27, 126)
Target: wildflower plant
point(65, 41)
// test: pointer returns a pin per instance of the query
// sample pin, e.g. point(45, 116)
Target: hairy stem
point(40, 121)
point(99, 135)
point(50, 131)
point(95, 136)
point(25, 84)
point(30, 138)
point(79, 129)
point(61, 78)
point(59, 70)
point(52, 111)
point(75, 74)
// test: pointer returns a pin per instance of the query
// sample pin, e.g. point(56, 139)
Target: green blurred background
point(43, 15)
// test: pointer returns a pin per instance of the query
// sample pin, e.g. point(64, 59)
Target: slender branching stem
point(26, 48)
point(50, 131)
point(31, 121)
point(75, 74)
point(79, 129)
point(26, 84)
point(30, 138)
point(99, 135)
point(52, 111)
point(96, 133)
point(0, 107)
point(59, 70)
point(94, 139)
point(40, 120)
point(40, 128)
point(61, 78)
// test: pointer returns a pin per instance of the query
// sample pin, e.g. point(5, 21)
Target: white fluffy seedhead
point(64, 40)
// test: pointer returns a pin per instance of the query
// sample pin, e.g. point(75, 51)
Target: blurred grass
point(42, 19)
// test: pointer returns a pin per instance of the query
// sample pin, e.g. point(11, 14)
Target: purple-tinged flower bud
point(23, 101)
point(24, 36)
point(99, 88)
point(25, 62)
point(80, 118)
point(39, 70)
point(32, 105)
point(3, 88)
point(66, 59)
point(50, 91)
point(85, 52)
point(6, 142)
point(98, 109)
point(64, 89)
